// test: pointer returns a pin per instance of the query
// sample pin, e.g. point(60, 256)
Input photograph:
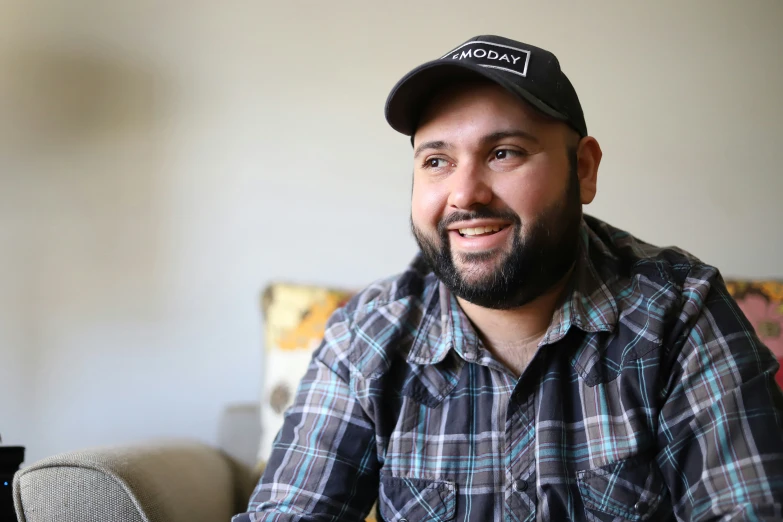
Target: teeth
point(477, 231)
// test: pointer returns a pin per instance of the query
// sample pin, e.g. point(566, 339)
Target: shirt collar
point(589, 306)
point(444, 326)
point(433, 342)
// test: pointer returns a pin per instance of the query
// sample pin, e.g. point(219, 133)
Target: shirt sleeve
point(324, 462)
point(720, 427)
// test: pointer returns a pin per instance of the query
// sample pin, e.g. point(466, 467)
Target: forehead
point(478, 106)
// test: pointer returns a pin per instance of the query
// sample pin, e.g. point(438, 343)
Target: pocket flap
point(416, 500)
point(631, 489)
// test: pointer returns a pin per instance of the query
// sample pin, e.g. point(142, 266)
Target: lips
point(480, 231)
point(479, 238)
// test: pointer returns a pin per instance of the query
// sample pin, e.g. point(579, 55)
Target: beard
point(536, 261)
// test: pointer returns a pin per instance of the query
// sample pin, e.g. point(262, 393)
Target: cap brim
point(408, 98)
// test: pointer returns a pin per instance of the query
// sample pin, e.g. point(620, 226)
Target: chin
point(478, 271)
point(473, 260)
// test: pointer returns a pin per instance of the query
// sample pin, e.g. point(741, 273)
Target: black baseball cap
point(530, 72)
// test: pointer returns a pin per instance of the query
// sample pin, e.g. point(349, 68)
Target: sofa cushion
point(172, 481)
point(762, 304)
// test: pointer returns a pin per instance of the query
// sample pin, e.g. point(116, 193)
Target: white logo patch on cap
point(492, 55)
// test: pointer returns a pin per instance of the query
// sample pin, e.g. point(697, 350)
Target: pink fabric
point(766, 316)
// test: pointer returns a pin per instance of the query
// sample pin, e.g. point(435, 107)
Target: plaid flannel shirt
point(649, 398)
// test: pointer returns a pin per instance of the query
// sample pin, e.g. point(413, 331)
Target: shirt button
point(641, 507)
point(520, 485)
point(403, 520)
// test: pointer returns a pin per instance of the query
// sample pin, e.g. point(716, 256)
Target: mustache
point(479, 213)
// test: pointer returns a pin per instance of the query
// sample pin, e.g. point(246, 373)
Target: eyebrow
point(514, 133)
point(428, 145)
point(485, 140)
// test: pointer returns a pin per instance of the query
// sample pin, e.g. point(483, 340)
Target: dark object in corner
point(11, 457)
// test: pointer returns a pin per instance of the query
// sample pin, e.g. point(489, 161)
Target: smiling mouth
point(480, 231)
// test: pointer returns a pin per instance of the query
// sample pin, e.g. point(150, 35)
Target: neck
point(521, 326)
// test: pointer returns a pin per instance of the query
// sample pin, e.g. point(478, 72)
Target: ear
point(588, 158)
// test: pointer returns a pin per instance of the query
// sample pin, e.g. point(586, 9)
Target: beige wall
point(161, 161)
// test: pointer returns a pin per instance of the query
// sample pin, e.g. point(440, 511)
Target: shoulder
point(668, 307)
point(378, 325)
point(658, 293)
point(633, 267)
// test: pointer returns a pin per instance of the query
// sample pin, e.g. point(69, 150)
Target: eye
point(502, 154)
point(507, 159)
point(435, 163)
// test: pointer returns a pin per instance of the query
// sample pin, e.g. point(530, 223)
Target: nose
point(469, 187)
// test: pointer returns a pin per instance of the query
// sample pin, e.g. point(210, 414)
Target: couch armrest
point(171, 481)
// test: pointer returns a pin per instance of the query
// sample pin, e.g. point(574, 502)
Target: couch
point(157, 481)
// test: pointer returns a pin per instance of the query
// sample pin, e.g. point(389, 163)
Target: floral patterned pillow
point(762, 303)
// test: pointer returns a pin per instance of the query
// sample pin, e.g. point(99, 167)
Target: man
point(532, 363)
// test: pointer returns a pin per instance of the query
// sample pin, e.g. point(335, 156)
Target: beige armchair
point(158, 481)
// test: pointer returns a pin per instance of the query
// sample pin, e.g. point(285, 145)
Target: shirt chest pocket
point(631, 489)
point(414, 500)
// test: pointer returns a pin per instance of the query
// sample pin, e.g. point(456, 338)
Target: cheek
point(526, 198)
point(530, 195)
point(427, 204)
